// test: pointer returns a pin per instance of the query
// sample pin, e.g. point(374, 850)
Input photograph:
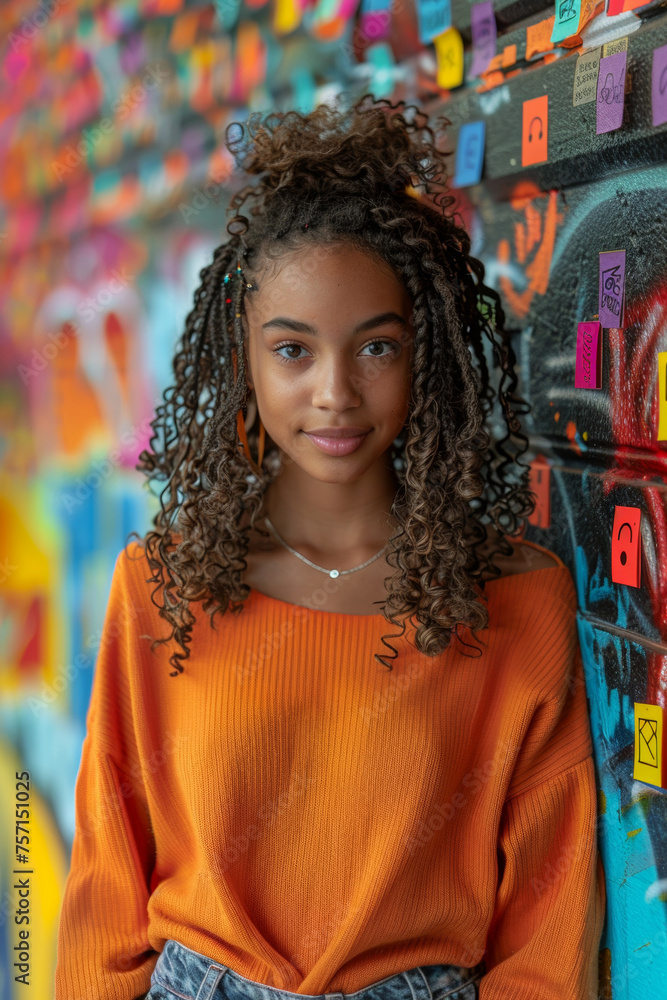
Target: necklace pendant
point(333, 573)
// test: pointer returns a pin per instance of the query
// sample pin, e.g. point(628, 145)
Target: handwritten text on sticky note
point(588, 370)
point(567, 19)
point(469, 154)
point(534, 130)
point(483, 29)
point(586, 77)
point(611, 92)
point(659, 85)
point(612, 289)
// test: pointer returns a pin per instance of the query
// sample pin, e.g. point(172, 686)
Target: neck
point(333, 518)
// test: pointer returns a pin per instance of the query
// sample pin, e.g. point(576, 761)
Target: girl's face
point(329, 346)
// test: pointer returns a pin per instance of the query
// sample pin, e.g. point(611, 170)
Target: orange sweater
point(293, 810)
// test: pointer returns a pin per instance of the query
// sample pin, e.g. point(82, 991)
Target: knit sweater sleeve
point(550, 901)
point(102, 948)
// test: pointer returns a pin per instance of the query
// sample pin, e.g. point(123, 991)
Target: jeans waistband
point(192, 976)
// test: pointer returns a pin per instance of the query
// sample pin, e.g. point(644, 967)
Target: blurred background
point(114, 181)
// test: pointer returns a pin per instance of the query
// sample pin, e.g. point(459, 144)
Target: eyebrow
point(297, 326)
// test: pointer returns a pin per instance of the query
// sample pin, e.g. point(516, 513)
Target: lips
point(338, 432)
point(339, 440)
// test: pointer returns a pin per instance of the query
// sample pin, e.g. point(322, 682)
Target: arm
point(550, 904)
point(103, 950)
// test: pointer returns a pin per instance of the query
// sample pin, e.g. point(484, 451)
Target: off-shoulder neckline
point(377, 615)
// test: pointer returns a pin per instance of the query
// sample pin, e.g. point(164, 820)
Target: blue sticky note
point(469, 154)
point(566, 22)
point(434, 17)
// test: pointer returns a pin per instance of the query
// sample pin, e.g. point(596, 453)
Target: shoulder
point(528, 556)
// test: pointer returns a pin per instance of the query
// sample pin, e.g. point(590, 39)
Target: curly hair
point(370, 176)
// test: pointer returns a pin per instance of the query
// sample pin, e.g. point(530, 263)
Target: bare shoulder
point(526, 556)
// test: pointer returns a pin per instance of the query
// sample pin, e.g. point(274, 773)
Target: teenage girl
point(360, 762)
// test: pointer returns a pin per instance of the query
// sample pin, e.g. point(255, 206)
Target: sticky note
point(659, 85)
point(626, 550)
point(567, 19)
point(375, 19)
point(611, 92)
point(538, 37)
point(586, 77)
point(449, 58)
point(662, 396)
point(469, 154)
point(534, 130)
point(611, 298)
point(618, 45)
point(539, 484)
point(483, 28)
point(588, 366)
point(650, 744)
point(434, 17)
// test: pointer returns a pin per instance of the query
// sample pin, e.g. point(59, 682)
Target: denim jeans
point(183, 973)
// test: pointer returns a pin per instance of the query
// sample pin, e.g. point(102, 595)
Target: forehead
point(341, 276)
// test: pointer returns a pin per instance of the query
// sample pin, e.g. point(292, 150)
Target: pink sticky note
point(612, 289)
point(611, 92)
point(483, 30)
point(659, 85)
point(588, 371)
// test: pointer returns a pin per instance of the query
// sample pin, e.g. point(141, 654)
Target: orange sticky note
point(538, 37)
point(534, 132)
point(538, 483)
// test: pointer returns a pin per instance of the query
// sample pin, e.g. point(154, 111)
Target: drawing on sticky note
point(648, 741)
point(612, 289)
point(469, 154)
point(535, 128)
point(626, 546)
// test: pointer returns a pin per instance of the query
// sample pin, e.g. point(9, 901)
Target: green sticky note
point(567, 19)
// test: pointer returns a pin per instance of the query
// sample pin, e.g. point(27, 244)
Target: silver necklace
point(330, 572)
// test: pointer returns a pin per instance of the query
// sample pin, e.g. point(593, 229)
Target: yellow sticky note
point(649, 744)
point(662, 396)
point(449, 56)
point(287, 16)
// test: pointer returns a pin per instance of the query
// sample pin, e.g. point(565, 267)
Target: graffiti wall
point(540, 232)
point(112, 197)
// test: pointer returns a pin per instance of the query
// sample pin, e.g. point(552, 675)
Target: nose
point(337, 385)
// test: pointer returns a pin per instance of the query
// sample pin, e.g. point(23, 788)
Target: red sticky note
point(588, 369)
point(534, 131)
point(539, 483)
point(626, 546)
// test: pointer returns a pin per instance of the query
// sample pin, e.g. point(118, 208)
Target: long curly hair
point(370, 176)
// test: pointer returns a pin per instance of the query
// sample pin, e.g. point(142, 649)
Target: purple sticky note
point(588, 372)
point(612, 288)
point(611, 92)
point(659, 85)
point(483, 29)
